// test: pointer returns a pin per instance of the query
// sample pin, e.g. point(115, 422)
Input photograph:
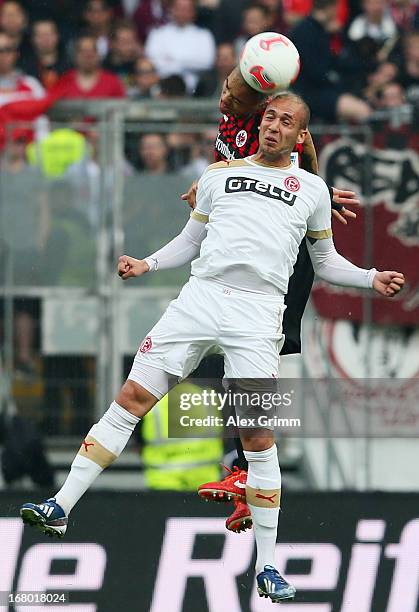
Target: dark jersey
point(237, 138)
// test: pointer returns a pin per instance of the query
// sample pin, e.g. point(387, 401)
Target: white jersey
point(256, 218)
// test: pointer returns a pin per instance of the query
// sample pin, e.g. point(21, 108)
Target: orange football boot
point(241, 519)
point(232, 487)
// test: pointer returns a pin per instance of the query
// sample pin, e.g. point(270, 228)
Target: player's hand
point(388, 284)
point(343, 197)
point(190, 196)
point(129, 267)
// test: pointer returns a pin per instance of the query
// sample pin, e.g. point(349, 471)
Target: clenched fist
point(128, 267)
point(387, 283)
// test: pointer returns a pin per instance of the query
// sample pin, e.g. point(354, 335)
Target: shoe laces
point(275, 576)
point(232, 472)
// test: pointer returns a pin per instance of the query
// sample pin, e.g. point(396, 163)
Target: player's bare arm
point(309, 156)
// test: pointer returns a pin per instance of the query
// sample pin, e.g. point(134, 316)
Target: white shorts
point(207, 317)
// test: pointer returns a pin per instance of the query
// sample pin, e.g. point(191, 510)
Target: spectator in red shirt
point(296, 10)
point(88, 79)
point(22, 97)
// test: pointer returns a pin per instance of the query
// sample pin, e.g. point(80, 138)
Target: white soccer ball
point(269, 62)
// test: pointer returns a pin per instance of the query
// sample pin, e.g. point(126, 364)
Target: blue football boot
point(47, 516)
point(271, 584)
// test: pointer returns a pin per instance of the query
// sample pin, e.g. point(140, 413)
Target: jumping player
point(233, 303)
point(238, 136)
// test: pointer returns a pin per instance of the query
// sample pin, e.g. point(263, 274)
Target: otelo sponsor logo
point(237, 184)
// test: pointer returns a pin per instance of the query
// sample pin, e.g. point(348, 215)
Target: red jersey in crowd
point(108, 85)
point(304, 8)
point(15, 87)
point(25, 109)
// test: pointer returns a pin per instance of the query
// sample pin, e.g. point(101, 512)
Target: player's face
point(237, 98)
point(280, 128)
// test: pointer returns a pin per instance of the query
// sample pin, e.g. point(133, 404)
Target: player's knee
point(257, 441)
point(135, 398)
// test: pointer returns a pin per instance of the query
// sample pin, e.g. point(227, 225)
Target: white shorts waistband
point(249, 295)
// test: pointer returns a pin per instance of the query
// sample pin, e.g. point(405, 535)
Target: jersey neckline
point(250, 161)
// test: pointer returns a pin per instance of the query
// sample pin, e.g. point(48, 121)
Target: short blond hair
point(283, 95)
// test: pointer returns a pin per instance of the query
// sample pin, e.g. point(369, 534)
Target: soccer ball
point(269, 62)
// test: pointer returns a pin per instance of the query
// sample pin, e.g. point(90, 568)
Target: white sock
point(263, 492)
point(102, 445)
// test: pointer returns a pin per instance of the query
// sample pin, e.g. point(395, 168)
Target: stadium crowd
point(357, 55)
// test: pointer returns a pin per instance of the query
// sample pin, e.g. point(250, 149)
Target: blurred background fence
point(107, 180)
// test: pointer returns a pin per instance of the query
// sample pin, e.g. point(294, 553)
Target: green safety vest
point(180, 464)
point(57, 151)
